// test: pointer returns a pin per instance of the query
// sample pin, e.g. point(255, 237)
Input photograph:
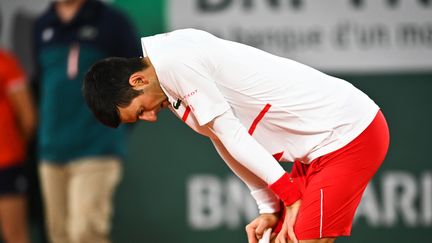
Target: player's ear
point(137, 79)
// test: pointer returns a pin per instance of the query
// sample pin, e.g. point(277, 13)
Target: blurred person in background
point(80, 160)
point(17, 124)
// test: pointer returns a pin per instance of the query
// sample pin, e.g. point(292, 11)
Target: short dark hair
point(106, 87)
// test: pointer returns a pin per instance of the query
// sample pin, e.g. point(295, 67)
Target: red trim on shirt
point(186, 113)
point(278, 156)
point(258, 118)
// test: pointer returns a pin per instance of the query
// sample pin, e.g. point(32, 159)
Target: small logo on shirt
point(88, 32)
point(190, 94)
point(47, 34)
point(176, 104)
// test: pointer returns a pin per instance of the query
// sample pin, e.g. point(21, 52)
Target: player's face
point(152, 99)
point(144, 107)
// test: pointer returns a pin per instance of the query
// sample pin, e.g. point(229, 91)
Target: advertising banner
point(331, 35)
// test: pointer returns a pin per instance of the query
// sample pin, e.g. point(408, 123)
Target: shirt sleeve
point(250, 154)
point(266, 200)
point(197, 89)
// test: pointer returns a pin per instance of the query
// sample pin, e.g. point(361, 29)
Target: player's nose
point(149, 116)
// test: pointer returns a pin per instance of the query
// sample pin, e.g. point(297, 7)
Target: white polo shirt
point(294, 111)
point(256, 107)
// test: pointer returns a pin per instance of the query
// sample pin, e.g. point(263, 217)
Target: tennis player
point(258, 109)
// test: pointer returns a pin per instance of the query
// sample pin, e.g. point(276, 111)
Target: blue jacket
point(63, 53)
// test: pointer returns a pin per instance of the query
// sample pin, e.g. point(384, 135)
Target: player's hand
point(288, 225)
point(258, 226)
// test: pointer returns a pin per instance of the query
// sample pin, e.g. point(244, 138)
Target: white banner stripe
point(331, 35)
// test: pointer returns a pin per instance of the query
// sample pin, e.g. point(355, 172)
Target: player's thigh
point(330, 200)
point(331, 197)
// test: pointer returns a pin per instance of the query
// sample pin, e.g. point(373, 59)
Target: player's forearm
point(250, 154)
point(266, 200)
point(244, 149)
point(261, 163)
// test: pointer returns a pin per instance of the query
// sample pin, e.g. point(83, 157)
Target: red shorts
point(333, 184)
